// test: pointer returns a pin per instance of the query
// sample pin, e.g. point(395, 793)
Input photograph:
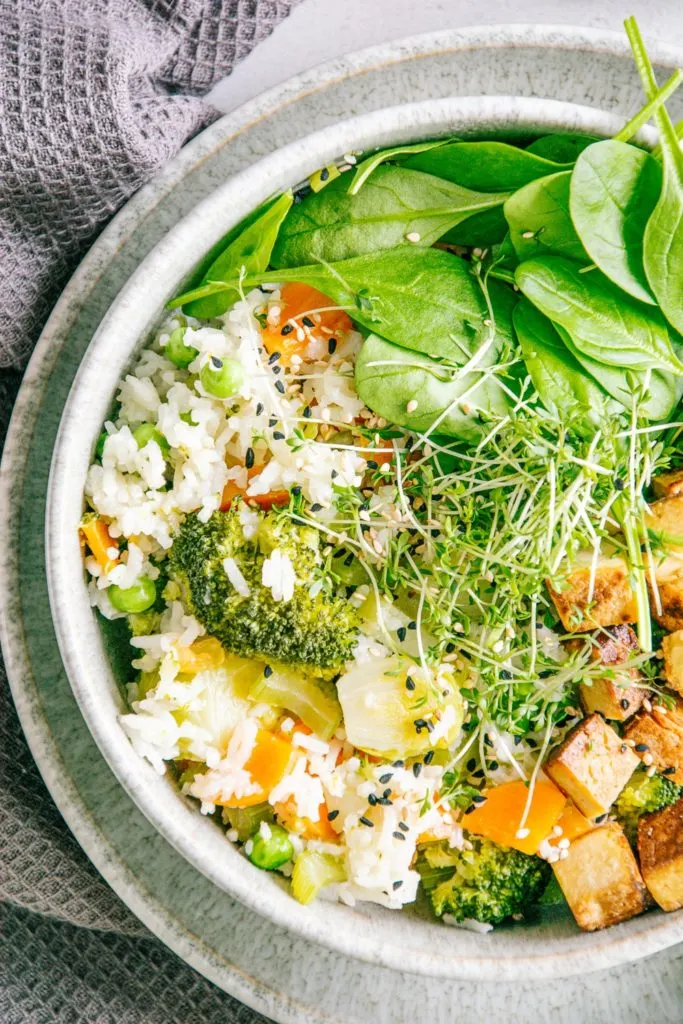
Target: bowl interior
point(95, 656)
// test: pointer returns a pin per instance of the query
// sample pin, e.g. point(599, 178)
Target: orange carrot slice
point(573, 824)
point(500, 818)
point(98, 539)
point(267, 765)
point(297, 300)
point(264, 501)
point(203, 655)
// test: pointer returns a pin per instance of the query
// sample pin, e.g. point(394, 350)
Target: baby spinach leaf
point(614, 189)
point(425, 300)
point(539, 219)
point(563, 149)
point(251, 250)
point(481, 229)
point(558, 377)
point(603, 322)
point(372, 162)
point(484, 166)
point(395, 207)
point(416, 392)
point(663, 242)
point(663, 393)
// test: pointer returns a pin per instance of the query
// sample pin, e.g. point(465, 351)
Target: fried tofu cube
point(666, 516)
point(617, 695)
point(658, 739)
point(660, 849)
point(668, 485)
point(665, 520)
point(592, 766)
point(672, 645)
point(600, 879)
point(611, 603)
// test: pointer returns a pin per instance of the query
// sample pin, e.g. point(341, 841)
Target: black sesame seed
point(274, 358)
point(517, 740)
point(412, 625)
point(332, 346)
point(494, 766)
point(470, 809)
point(599, 820)
point(277, 369)
point(278, 435)
point(532, 743)
point(385, 801)
point(324, 174)
point(349, 559)
point(399, 835)
point(471, 764)
point(403, 827)
point(401, 633)
point(267, 671)
point(397, 884)
point(669, 771)
point(366, 821)
point(296, 491)
point(429, 757)
point(259, 408)
point(505, 674)
point(642, 747)
point(419, 724)
point(272, 421)
point(417, 768)
point(249, 458)
point(479, 799)
point(334, 474)
point(488, 742)
point(280, 386)
point(307, 322)
point(385, 778)
point(372, 799)
point(307, 412)
point(331, 815)
point(397, 764)
point(619, 484)
point(450, 647)
point(216, 363)
point(315, 507)
point(287, 329)
point(386, 793)
point(624, 703)
point(479, 774)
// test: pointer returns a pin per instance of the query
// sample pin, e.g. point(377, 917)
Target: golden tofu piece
point(615, 696)
point(660, 849)
point(612, 602)
point(658, 739)
point(669, 578)
point(592, 766)
point(600, 879)
point(668, 485)
point(672, 645)
point(666, 516)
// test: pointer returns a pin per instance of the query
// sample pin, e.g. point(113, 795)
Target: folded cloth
point(95, 96)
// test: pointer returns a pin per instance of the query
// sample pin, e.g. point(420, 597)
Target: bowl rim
point(120, 336)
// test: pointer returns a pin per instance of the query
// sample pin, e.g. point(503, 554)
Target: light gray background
point(318, 30)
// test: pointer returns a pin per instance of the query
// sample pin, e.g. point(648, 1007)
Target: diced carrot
point(264, 501)
point(267, 765)
point(321, 829)
point(573, 824)
point(100, 542)
point(296, 300)
point(384, 443)
point(500, 817)
point(203, 655)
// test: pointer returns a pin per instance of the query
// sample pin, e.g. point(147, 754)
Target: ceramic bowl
point(409, 940)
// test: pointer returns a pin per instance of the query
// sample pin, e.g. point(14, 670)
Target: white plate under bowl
point(542, 949)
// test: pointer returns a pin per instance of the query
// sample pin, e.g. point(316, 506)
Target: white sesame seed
point(232, 835)
point(385, 467)
point(647, 704)
point(349, 158)
point(651, 771)
point(563, 844)
point(411, 406)
point(522, 833)
point(488, 323)
point(300, 334)
point(458, 627)
point(662, 709)
point(413, 236)
point(648, 758)
point(528, 234)
point(466, 408)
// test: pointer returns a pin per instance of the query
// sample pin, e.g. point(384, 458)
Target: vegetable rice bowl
point(391, 506)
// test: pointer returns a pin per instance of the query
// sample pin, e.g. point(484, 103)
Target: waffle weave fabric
point(95, 97)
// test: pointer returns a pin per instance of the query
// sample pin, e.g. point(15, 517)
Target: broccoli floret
point(488, 883)
point(643, 794)
point(316, 633)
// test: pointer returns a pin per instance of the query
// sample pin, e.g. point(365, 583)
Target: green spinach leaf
point(663, 242)
point(563, 149)
point(375, 160)
point(481, 229)
point(539, 219)
point(484, 166)
point(603, 322)
point(614, 189)
point(395, 207)
point(558, 377)
point(425, 300)
point(418, 393)
point(251, 250)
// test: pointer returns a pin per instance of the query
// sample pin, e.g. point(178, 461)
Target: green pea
point(137, 598)
point(177, 351)
point(270, 854)
point(99, 447)
point(222, 378)
point(147, 432)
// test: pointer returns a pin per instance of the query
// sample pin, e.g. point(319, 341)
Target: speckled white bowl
point(407, 941)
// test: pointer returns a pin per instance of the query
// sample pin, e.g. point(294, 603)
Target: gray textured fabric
point(95, 96)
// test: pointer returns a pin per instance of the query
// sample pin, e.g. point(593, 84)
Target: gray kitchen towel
point(95, 96)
